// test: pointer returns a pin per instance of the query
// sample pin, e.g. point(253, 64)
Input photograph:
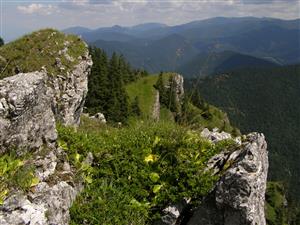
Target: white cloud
point(26, 16)
point(40, 9)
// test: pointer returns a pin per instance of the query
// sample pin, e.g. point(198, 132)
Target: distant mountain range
point(157, 47)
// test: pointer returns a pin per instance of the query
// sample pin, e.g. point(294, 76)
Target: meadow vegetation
point(41, 49)
point(137, 170)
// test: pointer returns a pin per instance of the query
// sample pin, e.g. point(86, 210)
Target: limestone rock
point(239, 196)
point(156, 107)
point(48, 205)
point(26, 118)
point(178, 80)
point(30, 105)
point(171, 214)
point(214, 135)
point(99, 116)
point(70, 90)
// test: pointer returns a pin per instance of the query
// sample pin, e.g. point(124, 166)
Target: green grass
point(143, 88)
point(137, 170)
point(166, 115)
point(41, 48)
point(210, 117)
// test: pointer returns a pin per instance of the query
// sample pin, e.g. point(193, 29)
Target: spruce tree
point(163, 98)
point(97, 85)
point(106, 86)
point(173, 103)
point(118, 110)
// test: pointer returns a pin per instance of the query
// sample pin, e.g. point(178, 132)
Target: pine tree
point(184, 110)
point(173, 103)
point(163, 98)
point(198, 101)
point(118, 110)
point(98, 83)
point(106, 86)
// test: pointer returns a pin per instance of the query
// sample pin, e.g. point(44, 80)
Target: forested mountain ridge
point(218, 62)
point(266, 100)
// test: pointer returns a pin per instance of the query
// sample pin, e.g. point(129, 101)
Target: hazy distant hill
point(207, 64)
point(77, 30)
point(146, 44)
point(163, 54)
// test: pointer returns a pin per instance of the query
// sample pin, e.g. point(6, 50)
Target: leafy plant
point(138, 170)
point(15, 174)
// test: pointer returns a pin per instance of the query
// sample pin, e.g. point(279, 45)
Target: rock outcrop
point(49, 201)
point(70, 90)
point(26, 118)
point(239, 195)
point(30, 105)
point(156, 107)
point(173, 85)
point(30, 102)
point(177, 79)
point(100, 117)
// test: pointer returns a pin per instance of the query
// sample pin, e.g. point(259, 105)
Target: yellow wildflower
point(150, 158)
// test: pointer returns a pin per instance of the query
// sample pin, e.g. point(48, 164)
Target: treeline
point(106, 86)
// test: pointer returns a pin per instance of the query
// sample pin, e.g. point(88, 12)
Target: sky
point(22, 16)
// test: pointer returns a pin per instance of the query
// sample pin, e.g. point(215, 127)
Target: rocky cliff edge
point(31, 104)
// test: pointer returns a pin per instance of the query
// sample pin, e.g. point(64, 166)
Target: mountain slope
point(207, 64)
point(163, 54)
point(267, 100)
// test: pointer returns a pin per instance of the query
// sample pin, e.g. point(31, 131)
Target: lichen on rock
point(26, 118)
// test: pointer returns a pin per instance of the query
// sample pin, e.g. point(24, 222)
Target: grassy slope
point(143, 88)
point(41, 48)
point(198, 118)
point(209, 118)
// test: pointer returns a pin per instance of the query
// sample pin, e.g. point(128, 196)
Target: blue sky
point(22, 16)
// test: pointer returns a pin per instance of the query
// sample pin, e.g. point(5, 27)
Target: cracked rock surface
point(239, 196)
point(30, 106)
